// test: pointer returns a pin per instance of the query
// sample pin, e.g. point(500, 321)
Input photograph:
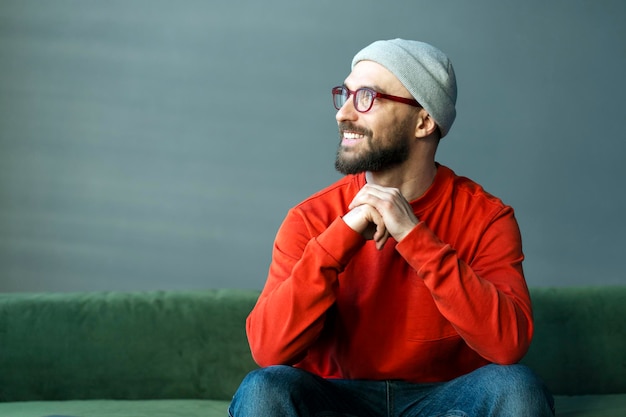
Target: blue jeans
point(493, 390)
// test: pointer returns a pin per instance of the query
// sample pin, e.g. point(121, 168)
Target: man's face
point(380, 138)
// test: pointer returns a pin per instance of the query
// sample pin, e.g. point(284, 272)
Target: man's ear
point(425, 125)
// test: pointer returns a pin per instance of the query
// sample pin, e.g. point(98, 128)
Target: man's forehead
point(374, 75)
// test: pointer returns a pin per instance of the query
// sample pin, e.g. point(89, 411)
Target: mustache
point(350, 127)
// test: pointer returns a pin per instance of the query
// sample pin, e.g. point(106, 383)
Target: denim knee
point(262, 385)
point(268, 391)
point(515, 390)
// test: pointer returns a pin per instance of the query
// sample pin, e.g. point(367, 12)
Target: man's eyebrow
point(374, 87)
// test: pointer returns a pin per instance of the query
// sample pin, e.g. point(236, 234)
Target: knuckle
point(387, 204)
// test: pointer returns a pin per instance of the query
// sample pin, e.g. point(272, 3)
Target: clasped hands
point(378, 213)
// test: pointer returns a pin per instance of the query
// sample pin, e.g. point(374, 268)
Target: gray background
point(158, 144)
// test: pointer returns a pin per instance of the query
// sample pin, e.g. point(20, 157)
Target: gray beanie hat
point(424, 70)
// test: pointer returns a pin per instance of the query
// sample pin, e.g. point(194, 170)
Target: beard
point(379, 155)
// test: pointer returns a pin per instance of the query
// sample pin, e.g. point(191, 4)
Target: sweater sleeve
point(300, 288)
point(486, 298)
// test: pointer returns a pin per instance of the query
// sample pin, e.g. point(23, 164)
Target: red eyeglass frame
point(375, 94)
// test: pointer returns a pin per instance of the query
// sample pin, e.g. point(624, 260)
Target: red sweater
point(447, 299)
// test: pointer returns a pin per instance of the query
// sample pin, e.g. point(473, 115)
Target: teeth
point(349, 135)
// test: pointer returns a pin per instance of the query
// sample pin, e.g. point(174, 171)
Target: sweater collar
point(433, 193)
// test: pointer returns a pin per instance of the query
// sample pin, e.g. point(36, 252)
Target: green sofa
point(183, 353)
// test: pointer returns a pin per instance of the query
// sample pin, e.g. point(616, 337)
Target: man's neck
point(412, 183)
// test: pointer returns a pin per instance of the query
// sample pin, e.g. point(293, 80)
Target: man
point(398, 290)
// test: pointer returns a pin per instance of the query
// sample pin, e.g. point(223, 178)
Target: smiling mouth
point(350, 138)
point(351, 134)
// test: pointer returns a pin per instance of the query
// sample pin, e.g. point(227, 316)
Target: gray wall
point(158, 145)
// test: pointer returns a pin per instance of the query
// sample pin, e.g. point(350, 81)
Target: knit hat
point(424, 70)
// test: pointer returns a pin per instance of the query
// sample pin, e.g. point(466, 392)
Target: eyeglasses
point(364, 97)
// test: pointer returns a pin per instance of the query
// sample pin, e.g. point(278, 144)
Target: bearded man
point(399, 289)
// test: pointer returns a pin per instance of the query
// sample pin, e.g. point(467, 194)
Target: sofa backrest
point(579, 346)
point(192, 344)
point(181, 344)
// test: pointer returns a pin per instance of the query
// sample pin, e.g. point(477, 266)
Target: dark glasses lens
point(363, 98)
point(340, 96)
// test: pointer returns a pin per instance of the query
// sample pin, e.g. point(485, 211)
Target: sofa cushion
point(613, 405)
point(77, 346)
point(581, 406)
point(579, 346)
point(116, 408)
